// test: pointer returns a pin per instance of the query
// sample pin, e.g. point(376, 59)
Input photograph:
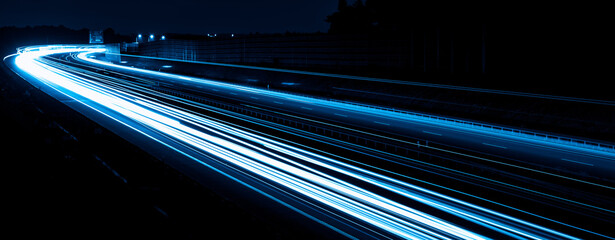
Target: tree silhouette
point(341, 4)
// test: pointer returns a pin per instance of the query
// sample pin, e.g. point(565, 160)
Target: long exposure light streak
point(448, 123)
point(526, 139)
point(372, 79)
point(287, 166)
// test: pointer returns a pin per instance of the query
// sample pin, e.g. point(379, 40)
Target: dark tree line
point(433, 42)
point(397, 16)
point(541, 46)
point(353, 18)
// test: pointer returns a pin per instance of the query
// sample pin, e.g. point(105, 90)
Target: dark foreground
point(62, 180)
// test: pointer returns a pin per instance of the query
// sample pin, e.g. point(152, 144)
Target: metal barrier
point(489, 127)
point(399, 147)
point(480, 126)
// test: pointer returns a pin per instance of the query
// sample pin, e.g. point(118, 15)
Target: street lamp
point(139, 37)
point(163, 37)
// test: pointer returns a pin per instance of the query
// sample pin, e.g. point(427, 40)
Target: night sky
point(173, 16)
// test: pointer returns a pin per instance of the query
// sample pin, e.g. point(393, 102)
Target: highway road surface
point(453, 180)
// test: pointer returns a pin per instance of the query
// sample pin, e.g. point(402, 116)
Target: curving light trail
point(290, 167)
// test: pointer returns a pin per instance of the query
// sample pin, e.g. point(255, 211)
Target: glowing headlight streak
point(498, 222)
point(484, 220)
point(244, 157)
point(387, 114)
point(309, 175)
point(246, 151)
point(371, 111)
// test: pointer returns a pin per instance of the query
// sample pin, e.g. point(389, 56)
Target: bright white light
point(151, 36)
point(281, 163)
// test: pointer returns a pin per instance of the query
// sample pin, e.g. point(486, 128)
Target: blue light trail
point(421, 84)
point(289, 167)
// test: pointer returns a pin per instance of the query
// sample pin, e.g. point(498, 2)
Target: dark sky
point(177, 16)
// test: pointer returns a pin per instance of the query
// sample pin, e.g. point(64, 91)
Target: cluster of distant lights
point(152, 36)
point(216, 35)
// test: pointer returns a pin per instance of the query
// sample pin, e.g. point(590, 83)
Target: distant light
point(151, 36)
point(140, 36)
point(123, 61)
point(163, 37)
point(167, 66)
point(232, 35)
